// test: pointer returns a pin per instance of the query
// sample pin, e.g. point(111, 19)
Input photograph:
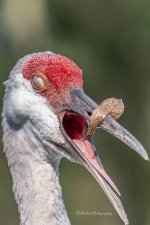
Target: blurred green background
point(110, 41)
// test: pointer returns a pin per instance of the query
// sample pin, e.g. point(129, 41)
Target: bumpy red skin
point(62, 75)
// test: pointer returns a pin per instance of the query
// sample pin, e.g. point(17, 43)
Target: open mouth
point(75, 125)
point(76, 128)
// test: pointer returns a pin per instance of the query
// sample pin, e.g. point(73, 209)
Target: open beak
point(74, 123)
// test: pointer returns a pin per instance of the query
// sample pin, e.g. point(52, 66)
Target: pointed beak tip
point(145, 156)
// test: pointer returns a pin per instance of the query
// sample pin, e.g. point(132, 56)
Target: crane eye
point(38, 82)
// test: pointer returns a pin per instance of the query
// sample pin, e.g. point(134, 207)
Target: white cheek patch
point(24, 104)
point(19, 97)
point(47, 123)
point(17, 106)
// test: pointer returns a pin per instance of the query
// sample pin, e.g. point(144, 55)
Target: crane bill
point(114, 199)
point(108, 124)
point(74, 123)
point(114, 128)
point(98, 172)
point(104, 181)
point(110, 192)
point(89, 152)
point(84, 152)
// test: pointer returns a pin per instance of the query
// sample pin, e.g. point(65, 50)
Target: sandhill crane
point(45, 117)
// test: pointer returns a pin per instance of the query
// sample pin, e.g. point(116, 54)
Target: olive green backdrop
point(110, 41)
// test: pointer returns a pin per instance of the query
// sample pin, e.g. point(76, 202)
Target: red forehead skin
point(62, 73)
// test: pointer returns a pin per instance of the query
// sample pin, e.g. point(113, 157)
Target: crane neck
point(35, 181)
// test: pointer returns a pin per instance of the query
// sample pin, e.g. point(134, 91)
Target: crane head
point(59, 75)
point(45, 94)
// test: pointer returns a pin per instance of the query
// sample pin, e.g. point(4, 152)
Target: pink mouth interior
point(74, 125)
point(76, 128)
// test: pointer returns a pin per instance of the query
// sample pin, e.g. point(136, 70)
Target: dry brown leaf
point(112, 106)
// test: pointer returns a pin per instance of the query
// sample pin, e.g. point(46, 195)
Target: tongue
point(90, 153)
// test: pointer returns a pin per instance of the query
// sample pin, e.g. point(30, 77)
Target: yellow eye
point(38, 82)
